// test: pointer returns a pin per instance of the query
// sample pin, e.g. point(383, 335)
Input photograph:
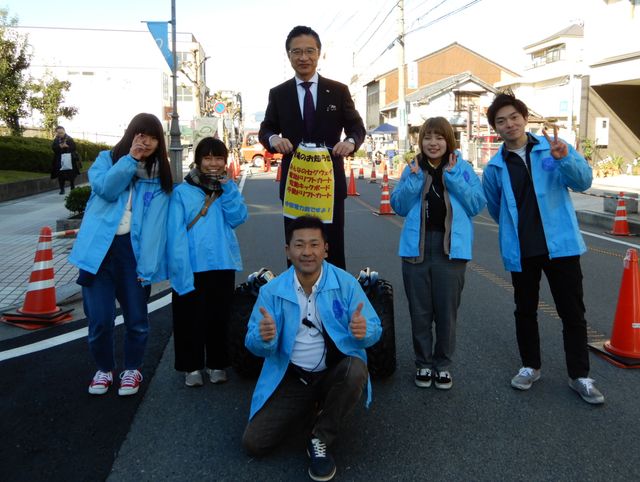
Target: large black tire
point(245, 363)
point(381, 357)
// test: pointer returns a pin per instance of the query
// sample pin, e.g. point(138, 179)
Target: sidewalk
point(21, 221)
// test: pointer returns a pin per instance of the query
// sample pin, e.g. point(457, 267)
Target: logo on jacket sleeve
point(549, 164)
point(338, 310)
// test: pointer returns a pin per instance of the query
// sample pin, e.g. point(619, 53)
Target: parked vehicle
point(254, 152)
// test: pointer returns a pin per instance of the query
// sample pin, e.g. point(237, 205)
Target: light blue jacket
point(338, 296)
point(110, 185)
point(464, 199)
point(211, 243)
point(551, 180)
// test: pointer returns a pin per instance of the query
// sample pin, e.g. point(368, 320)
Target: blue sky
point(245, 38)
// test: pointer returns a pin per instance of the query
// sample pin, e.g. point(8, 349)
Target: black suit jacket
point(335, 112)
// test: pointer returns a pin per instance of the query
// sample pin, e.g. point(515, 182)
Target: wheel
point(381, 357)
point(257, 161)
point(245, 363)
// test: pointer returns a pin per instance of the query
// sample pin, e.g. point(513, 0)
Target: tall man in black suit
point(285, 126)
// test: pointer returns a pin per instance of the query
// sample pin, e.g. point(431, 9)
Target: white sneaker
point(217, 376)
point(586, 389)
point(193, 379)
point(525, 378)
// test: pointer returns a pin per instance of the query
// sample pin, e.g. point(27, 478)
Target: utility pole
point(402, 105)
point(175, 148)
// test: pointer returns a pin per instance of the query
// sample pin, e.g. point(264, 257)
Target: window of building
point(165, 86)
point(548, 55)
point(185, 93)
point(182, 57)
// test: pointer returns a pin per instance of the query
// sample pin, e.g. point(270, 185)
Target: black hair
point(305, 222)
point(302, 30)
point(210, 146)
point(150, 125)
point(58, 127)
point(504, 99)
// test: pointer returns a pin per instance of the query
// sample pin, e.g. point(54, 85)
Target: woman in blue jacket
point(204, 255)
point(438, 194)
point(121, 247)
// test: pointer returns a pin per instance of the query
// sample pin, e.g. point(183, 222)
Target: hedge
point(34, 154)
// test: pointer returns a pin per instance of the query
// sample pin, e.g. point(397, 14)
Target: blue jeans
point(117, 279)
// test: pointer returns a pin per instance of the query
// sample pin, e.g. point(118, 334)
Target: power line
point(377, 28)
point(460, 9)
point(428, 12)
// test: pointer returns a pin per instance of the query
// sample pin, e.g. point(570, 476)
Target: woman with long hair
point(121, 247)
point(438, 194)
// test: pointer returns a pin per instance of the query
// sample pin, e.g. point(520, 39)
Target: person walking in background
point(312, 109)
point(204, 255)
point(121, 247)
point(65, 165)
point(312, 325)
point(438, 194)
point(526, 185)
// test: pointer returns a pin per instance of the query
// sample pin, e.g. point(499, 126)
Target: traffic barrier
point(385, 204)
point(625, 336)
point(39, 308)
point(66, 233)
point(373, 174)
point(279, 172)
point(351, 191)
point(620, 224)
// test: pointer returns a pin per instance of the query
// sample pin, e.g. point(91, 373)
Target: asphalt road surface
point(481, 429)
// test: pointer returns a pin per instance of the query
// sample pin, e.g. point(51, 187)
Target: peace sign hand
point(558, 148)
point(358, 323)
point(453, 158)
point(413, 165)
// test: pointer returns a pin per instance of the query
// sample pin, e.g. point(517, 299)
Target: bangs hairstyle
point(210, 146)
point(150, 125)
point(302, 30)
point(440, 126)
point(503, 100)
point(305, 222)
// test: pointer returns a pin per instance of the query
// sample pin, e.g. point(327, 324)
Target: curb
point(605, 221)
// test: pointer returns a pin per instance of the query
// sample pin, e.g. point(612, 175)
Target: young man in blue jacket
point(312, 325)
point(526, 185)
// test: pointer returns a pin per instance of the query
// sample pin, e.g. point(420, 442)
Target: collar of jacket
point(286, 290)
point(531, 140)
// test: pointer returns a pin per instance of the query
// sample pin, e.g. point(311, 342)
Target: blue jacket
point(464, 199)
point(338, 296)
point(109, 195)
point(551, 180)
point(211, 243)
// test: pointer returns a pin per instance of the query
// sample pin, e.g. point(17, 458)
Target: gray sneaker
point(587, 390)
point(193, 379)
point(525, 378)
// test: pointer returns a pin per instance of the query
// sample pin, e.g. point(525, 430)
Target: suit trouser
point(200, 321)
point(434, 290)
point(565, 280)
point(335, 235)
point(295, 404)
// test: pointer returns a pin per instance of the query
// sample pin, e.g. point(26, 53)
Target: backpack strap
point(203, 212)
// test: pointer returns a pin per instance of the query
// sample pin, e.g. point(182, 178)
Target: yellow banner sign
point(309, 187)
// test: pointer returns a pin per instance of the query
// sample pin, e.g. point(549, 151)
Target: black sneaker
point(322, 467)
point(423, 377)
point(443, 380)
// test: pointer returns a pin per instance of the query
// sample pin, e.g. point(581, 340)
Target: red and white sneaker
point(129, 382)
point(100, 383)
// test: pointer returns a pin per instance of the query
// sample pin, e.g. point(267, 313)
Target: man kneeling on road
point(312, 325)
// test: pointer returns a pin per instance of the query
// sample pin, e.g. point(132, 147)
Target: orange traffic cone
point(385, 177)
point(279, 172)
point(351, 191)
point(361, 173)
point(373, 174)
point(39, 308)
point(620, 224)
point(385, 205)
point(625, 336)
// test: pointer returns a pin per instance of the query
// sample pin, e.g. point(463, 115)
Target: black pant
point(322, 403)
point(66, 176)
point(335, 235)
point(565, 280)
point(200, 320)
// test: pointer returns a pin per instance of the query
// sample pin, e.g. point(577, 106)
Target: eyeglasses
point(309, 52)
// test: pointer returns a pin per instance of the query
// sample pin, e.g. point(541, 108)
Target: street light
point(175, 148)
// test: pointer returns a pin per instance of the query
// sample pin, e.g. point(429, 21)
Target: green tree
point(47, 97)
point(14, 82)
